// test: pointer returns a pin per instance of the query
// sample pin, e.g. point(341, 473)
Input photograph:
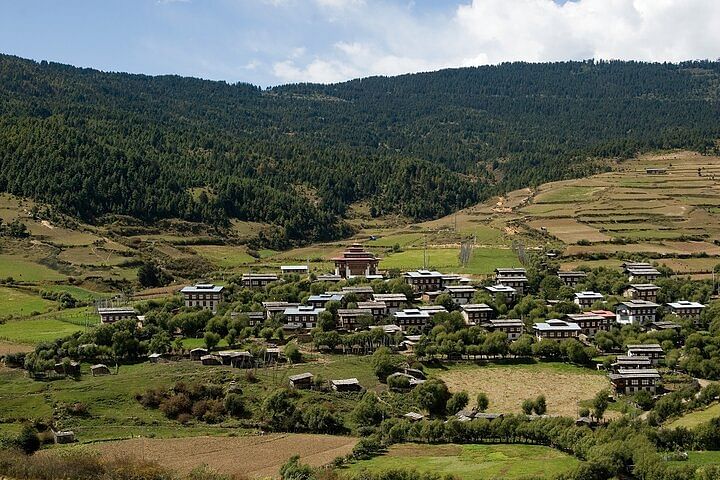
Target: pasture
point(25, 269)
point(47, 327)
point(224, 256)
point(16, 302)
point(473, 462)
point(507, 385)
point(482, 262)
point(693, 419)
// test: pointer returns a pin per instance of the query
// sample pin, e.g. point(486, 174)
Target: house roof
point(360, 289)
point(645, 347)
point(388, 297)
point(511, 271)
point(301, 376)
point(411, 312)
point(644, 286)
point(423, 274)
point(327, 297)
point(476, 307)
point(387, 328)
point(500, 289)
point(116, 310)
point(460, 289)
point(574, 273)
point(303, 310)
point(259, 276)
point(203, 288)
point(506, 322)
point(638, 304)
point(346, 381)
point(635, 373)
point(589, 295)
point(680, 304)
point(556, 324)
point(294, 267)
point(371, 305)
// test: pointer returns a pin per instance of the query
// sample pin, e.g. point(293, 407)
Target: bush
point(28, 440)
point(234, 405)
point(175, 405)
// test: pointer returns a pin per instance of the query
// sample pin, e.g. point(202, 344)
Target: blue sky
point(269, 42)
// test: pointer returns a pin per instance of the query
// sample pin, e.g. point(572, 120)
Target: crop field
point(483, 260)
point(695, 418)
point(254, 456)
point(47, 327)
point(507, 385)
point(9, 347)
point(224, 256)
point(473, 462)
point(91, 255)
point(26, 269)
point(16, 302)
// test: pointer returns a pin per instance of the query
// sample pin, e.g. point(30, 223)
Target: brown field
point(257, 456)
point(570, 230)
point(507, 387)
point(8, 347)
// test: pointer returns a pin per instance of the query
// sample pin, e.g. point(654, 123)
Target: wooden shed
point(197, 353)
point(99, 369)
point(211, 360)
point(302, 380)
point(346, 385)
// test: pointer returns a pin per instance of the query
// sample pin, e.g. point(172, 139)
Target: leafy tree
point(384, 363)
point(528, 406)
point(600, 404)
point(483, 402)
point(457, 402)
point(540, 405)
point(433, 396)
point(211, 340)
point(28, 440)
point(292, 353)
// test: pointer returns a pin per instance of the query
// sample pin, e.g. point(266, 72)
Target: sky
point(271, 42)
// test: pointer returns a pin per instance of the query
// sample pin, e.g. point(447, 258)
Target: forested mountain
point(295, 156)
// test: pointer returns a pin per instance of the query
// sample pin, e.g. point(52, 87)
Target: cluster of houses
point(305, 381)
point(637, 371)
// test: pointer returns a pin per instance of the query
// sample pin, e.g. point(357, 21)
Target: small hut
point(99, 369)
point(197, 353)
point(71, 368)
point(302, 380)
point(65, 436)
point(414, 416)
point(243, 360)
point(211, 360)
point(346, 385)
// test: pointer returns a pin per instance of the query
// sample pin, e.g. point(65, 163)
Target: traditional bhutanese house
point(273, 308)
point(571, 279)
point(454, 279)
point(686, 309)
point(604, 313)
point(424, 280)
point(412, 381)
point(377, 309)
point(411, 317)
point(328, 277)
point(302, 380)
point(355, 261)
point(413, 416)
point(556, 329)
point(476, 313)
point(432, 309)
point(632, 381)
point(242, 359)
point(197, 353)
point(348, 317)
point(99, 369)
point(512, 277)
point(627, 362)
point(258, 280)
point(591, 323)
point(637, 312)
point(512, 327)
point(430, 297)
point(204, 295)
point(254, 318)
point(319, 301)
point(346, 385)
point(663, 325)
point(114, 314)
point(509, 292)
point(393, 301)
point(642, 291)
point(303, 316)
point(642, 274)
point(363, 293)
point(297, 269)
point(71, 368)
point(586, 299)
point(211, 360)
point(64, 436)
point(656, 171)
point(461, 294)
point(653, 351)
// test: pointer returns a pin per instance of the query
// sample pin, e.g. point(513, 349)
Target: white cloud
point(387, 39)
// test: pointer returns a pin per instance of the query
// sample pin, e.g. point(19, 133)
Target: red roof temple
point(355, 261)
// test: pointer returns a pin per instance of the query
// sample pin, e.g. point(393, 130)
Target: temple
point(355, 261)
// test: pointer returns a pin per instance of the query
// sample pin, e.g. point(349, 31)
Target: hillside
point(297, 157)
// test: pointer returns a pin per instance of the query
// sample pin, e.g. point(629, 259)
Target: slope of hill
point(295, 157)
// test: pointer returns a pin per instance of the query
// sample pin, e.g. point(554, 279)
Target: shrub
point(175, 405)
point(234, 405)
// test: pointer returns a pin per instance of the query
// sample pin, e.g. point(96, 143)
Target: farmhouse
point(591, 323)
point(686, 309)
point(64, 436)
point(642, 272)
point(424, 280)
point(431, 297)
point(298, 269)
point(346, 385)
point(258, 280)
point(512, 327)
point(627, 362)
point(197, 353)
point(114, 314)
point(653, 351)
point(642, 291)
point(274, 308)
point(461, 294)
point(348, 318)
point(509, 292)
point(393, 301)
point(99, 369)
point(319, 301)
point(476, 313)
point(411, 317)
point(432, 309)
point(631, 381)
point(376, 309)
point(512, 277)
point(255, 318)
point(664, 325)
point(556, 329)
point(454, 279)
point(302, 380)
point(203, 295)
point(303, 316)
point(636, 312)
point(355, 261)
point(361, 292)
point(328, 277)
point(586, 299)
point(571, 279)
point(211, 360)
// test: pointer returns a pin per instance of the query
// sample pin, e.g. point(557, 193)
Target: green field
point(701, 458)
point(26, 270)
point(224, 256)
point(82, 294)
point(47, 327)
point(694, 419)
point(402, 239)
point(17, 302)
point(567, 194)
point(473, 462)
point(483, 260)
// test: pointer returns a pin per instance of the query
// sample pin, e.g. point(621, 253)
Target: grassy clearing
point(26, 270)
point(79, 293)
point(567, 194)
point(402, 239)
point(225, 256)
point(17, 302)
point(90, 255)
point(473, 462)
point(701, 458)
point(694, 419)
point(507, 385)
point(483, 261)
point(48, 327)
